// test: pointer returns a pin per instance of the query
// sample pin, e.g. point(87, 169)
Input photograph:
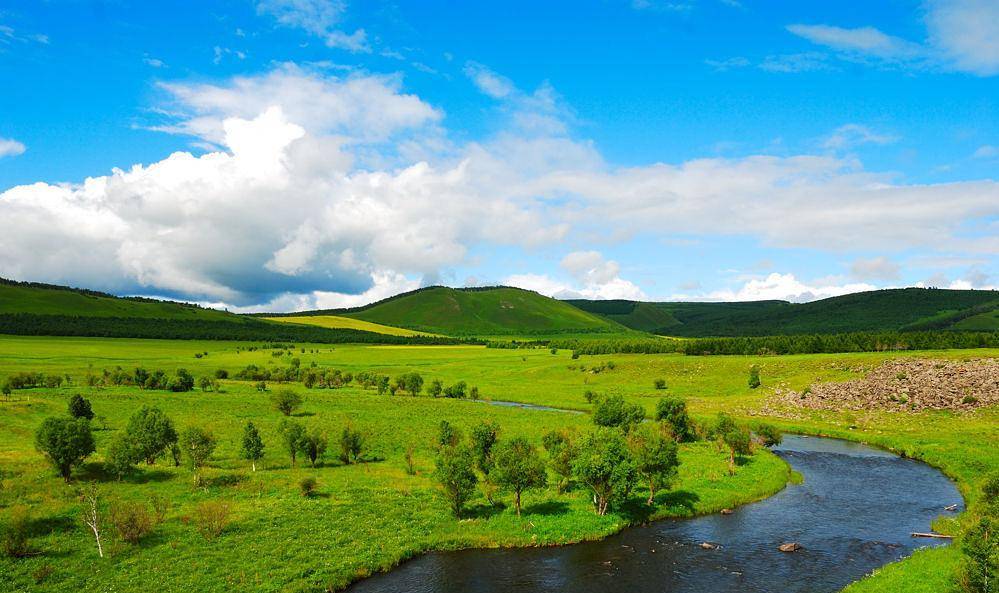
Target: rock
point(709, 546)
point(727, 511)
point(790, 547)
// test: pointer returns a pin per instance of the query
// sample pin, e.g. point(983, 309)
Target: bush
point(768, 434)
point(152, 433)
point(351, 445)
point(307, 487)
point(286, 401)
point(613, 411)
point(66, 442)
point(672, 411)
point(980, 546)
point(14, 540)
point(754, 377)
point(80, 407)
point(211, 518)
point(660, 383)
point(455, 472)
point(121, 457)
point(132, 521)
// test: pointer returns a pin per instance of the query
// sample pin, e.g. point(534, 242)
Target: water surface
point(853, 513)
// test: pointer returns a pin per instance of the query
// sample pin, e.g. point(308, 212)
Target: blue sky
point(338, 152)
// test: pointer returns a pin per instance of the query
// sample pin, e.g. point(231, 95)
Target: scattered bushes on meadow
point(286, 401)
point(80, 407)
point(14, 540)
point(307, 486)
point(211, 518)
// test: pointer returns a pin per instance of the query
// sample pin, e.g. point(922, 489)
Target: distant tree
point(122, 456)
point(614, 412)
point(660, 383)
point(768, 434)
point(605, 465)
point(754, 377)
point(252, 448)
point(261, 386)
point(382, 383)
point(518, 467)
point(484, 436)
point(736, 438)
point(436, 388)
point(66, 442)
point(221, 374)
point(351, 444)
point(561, 453)
point(6, 390)
point(656, 458)
point(205, 383)
point(313, 445)
point(455, 472)
point(672, 411)
point(198, 445)
point(456, 391)
point(182, 381)
point(411, 382)
point(473, 392)
point(292, 433)
point(286, 401)
point(151, 432)
point(448, 435)
point(80, 407)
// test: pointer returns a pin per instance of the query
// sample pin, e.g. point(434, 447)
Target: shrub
point(408, 457)
point(313, 446)
point(980, 546)
point(286, 401)
point(80, 407)
point(456, 475)
point(151, 432)
point(613, 411)
point(672, 411)
point(768, 434)
point(121, 457)
point(66, 442)
point(660, 383)
point(14, 541)
point(754, 377)
point(131, 520)
point(561, 453)
point(211, 518)
point(351, 444)
point(307, 487)
point(448, 435)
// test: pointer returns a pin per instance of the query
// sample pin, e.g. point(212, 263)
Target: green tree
point(65, 442)
point(351, 444)
point(768, 434)
point(754, 377)
point(455, 472)
point(286, 401)
point(122, 456)
point(980, 546)
point(198, 445)
point(252, 448)
point(672, 411)
point(736, 438)
point(518, 467)
point(448, 435)
point(656, 458)
point(151, 432)
point(605, 465)
point(484, 436)
point(80, 407)
point(615, 412)
point(313, 445)
point(561, 453)
point(292, 434)
point(436, 388)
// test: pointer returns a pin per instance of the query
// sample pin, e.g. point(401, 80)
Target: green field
point(340, 322)
point(372, 515)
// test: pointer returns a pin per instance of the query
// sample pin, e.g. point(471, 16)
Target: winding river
point(853, 513)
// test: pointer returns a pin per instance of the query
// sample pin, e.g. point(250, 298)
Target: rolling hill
point(901, 309)
point(340, 322)
point(494, 311)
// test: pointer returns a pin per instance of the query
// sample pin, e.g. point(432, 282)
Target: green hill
point(494, 311)
point(902, 309)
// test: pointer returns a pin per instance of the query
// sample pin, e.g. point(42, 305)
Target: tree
point(484, 436)
point(122, 456)
point(737, 438)
point(561, 453)
point(656, 458)
point(604, 464)
point(313, 445)
point(672, 411)
point(198, 445)
point(411, 382)
point(980, 546)
point(205, 383)
point(436, 388)
point(292, 434)
point(382, 383)
point(92, 516)
point(182, 381)
point(252, 448)
point(66, 442)
point(286, 401)
point(518, 467)
point(456, 391)
point(614, 412)
point(448, 435)
point(351, 444)
point(754, 376)
point(455, 472)
point(659, 383)
point(80, 407)
point(768, 434)
point(151, 432)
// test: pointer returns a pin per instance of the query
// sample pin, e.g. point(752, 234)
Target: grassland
point(340, 322)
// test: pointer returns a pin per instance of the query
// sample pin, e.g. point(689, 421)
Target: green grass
point(881, 310)
point(340, 322)
point(366, 518)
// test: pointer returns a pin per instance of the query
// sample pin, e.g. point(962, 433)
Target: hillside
point(340, 322)
point(495, 311)
point(882, 310)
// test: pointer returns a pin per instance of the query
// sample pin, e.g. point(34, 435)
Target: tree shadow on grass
point(677, 500)
point(483, 511)
point(743, 460)
point(302, 414)
point(551, 507)
point(224, 480)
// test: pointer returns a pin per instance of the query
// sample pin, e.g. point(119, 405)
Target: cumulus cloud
point(318, 18)
point(11, 147)
point(786, 287)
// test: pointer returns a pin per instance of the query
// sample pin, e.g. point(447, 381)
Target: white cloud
point(489, 82)
point(986, 151)
point(11, 147)
point(318, 18)
point(878, 268)
point(966, 33)
point(800, 62)
point(728, 64)
point(862, 40)
point(785, 287)
point(851, 135)
point(153, 62)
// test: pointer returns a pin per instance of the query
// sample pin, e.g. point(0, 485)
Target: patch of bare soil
point(906, 385)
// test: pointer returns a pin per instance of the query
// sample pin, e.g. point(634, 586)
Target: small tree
point(80, 407)
point(131, 520)
point(313, 445)
point(754, 377)
point(252, 448)
point(455, 472)
point(448, 435)
point(92, 515)
point(436, 388)
point(614, 412)
point(659, 383)
point(605, 465)
point(286, 401)
point(672, 411)
point(382, 384)
point(736, 438)
point(561, 453)
point(351, 444)
point(484, 436)
point(518, 467)
point(656, 458)
point(768, 434)
point(121, 457)
point(292, 433)
point(198, 445)
point(205, 383)
point(151, 432)
point(66, 442)
point(980, 546)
